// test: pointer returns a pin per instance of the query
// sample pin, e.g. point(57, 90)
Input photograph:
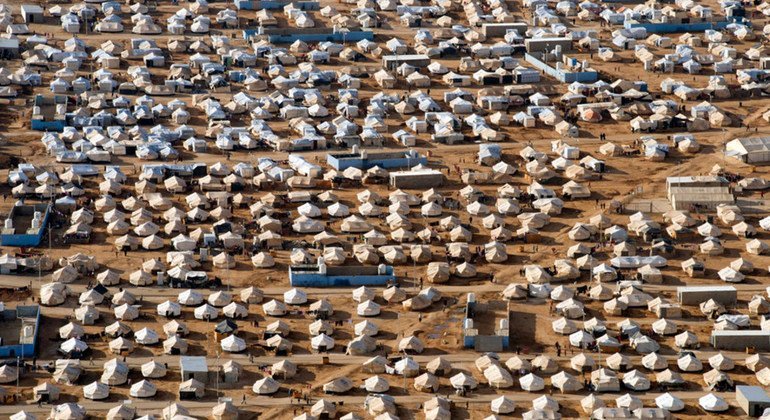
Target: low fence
point(40, 125)
point(25, 238)
point(482, 342)
point(30, 318)
point(485, 343)
point(319, 280)
point(660, 205)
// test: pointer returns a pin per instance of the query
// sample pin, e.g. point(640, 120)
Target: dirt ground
point(628, 179)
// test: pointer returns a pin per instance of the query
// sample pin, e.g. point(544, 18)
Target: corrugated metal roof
point(193, 364)
point(9, 43)
point(31, 8)
point(753, 393)
point(695, 179)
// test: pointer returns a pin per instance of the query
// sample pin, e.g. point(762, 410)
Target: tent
point(45, 392)
point(566, 382)
point(143, 389)
point(502, 405)
point(713, 403)
point(636, 381)
point(224, 411)
point(463, 381)
point(69, 411)
point(376, 384)
point(338, 386)
point(251, 295)
point(153, 369)
point(233, 344)
point(669, 402)
point(498, 377)
point(426, 382)
point(531, 383)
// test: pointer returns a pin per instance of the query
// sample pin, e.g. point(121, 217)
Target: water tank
point(38, 215)
point(471, 297)
point(355, 149)
point(321, 266)
point(8, 224)
point(503, 324)
point(35, 224)
point(468, 324)
point(382, 269)
point(364, 154)
point(27, 331)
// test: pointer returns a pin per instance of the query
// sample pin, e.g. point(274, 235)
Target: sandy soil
point(628, 179)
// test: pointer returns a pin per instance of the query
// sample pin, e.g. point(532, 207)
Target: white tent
point(502, 405)
point(669, 402)
point(498, 377)
point(463, 381)
point(376, 384)
point(206, 312)
point(531, 383)
point(68, 411)
point(713, 403)
point(143, 389)
point(265, 386)
point(295, 296)
point(233, 344)
point(153, 369)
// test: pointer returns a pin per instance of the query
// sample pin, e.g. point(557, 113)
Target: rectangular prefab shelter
point(391, 62)
point(32, 13)
point(423, 179)
point(695, 295)
point(741, 340)
point(9, 48)
point(194, 367)
point(749, 150)
point(547, 44)
point(491, 30)
point(275, 5)
point(752, 399)
point(698, 192)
